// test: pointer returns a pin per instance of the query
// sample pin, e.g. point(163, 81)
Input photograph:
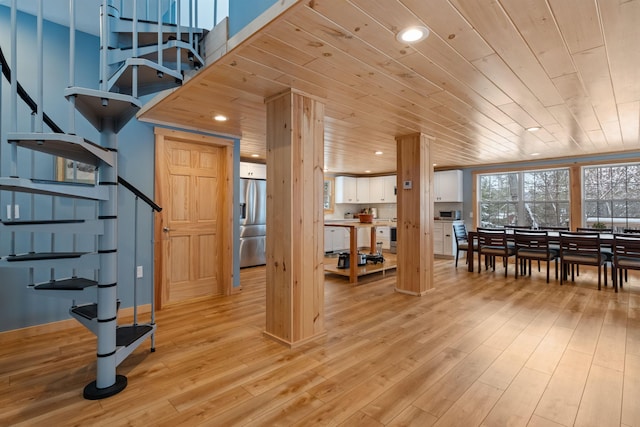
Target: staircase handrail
point(6, 71)
point(139, 194)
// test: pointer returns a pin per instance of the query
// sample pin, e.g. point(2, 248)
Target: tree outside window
point(527, 198)
point(611, 196)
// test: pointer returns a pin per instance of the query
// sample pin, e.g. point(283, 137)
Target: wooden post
point(415, 215)
point(295, 219)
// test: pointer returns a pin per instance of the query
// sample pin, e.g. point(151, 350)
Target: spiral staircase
point(137, 57)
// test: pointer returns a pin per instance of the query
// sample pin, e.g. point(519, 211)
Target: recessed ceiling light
point(379, 153)
point(535, 154)
point(367, 171)
point(413, 34)
point(220, 118)
point(533, 128)
point(255, 155)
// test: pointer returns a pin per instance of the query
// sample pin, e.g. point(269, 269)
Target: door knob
point(166, 229)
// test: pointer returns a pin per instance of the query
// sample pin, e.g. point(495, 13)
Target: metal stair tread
point(148, 80)
point(54, 188)
point(38, 256)
point(39, 222)
point(93, 227)
point(145, 26)
point(119, 108)
point(169, 53)
point(68, 146)
point(69, 284)
point(89, 311)
point(126, 335)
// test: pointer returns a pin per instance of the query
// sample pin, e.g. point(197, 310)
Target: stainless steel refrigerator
point(253, 222)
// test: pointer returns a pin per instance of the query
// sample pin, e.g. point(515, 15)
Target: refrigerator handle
point(243, 210)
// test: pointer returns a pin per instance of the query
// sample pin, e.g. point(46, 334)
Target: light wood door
point(189, 184)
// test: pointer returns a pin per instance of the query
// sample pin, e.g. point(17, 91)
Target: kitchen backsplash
point(385, 210)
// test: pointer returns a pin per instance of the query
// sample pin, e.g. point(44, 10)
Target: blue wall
point(240, 14)
point(19, 306)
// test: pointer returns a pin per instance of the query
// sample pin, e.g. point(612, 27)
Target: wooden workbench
point(353, 241)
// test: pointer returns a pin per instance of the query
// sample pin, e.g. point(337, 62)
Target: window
point(611, 196)
point(530, 198)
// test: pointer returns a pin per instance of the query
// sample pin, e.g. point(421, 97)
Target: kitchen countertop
point(357, 224)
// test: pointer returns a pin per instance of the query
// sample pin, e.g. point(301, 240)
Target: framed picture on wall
point(72, 171)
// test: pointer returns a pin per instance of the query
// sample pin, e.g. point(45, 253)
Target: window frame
point(520, 205)
point(617, 223)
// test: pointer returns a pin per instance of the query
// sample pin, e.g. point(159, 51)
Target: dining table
point(554, 237)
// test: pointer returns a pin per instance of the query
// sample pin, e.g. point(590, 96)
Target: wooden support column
point(415, 215)
point(295, 219)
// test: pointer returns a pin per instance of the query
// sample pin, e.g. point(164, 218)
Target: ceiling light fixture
point(367, 171)
point(535, 154)
point(255, 155)
point(413, 34)
point(533, 128)
point(220, 118)
point(379, 153)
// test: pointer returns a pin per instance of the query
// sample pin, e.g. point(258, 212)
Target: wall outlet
point(139, 272)
point(15, 214)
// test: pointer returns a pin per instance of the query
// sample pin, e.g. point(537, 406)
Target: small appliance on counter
point(362, 258)
point(377, 257)
point(343, 260)
point(451, 215)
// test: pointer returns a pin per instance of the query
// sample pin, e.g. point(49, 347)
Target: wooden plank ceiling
point(489, 70)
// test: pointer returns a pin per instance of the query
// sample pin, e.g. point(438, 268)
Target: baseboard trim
point(62, 325)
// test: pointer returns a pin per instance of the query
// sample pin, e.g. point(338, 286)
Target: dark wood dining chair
point(462, 241)
point(581, 249)
point(533, 245)
point(626, 256)
point(493, 243)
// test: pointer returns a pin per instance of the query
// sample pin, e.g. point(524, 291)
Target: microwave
point(452, 215)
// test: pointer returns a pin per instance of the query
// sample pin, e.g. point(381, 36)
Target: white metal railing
point(194, 13)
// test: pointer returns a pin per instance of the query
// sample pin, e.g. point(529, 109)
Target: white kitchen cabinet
point(390, 189)
point(364, 238)
point(447, 186)
point(253, 170)
point(382, 189)
point(383, 234)
point(345, 189)
point(362, 190)
point(443, 237)
point(336, 239)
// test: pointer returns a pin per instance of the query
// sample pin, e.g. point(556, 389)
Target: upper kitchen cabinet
point(362, 190)
point(382, 189)
point(253, 170)
point(378, 189)
point(345, 189)
point(447, 186)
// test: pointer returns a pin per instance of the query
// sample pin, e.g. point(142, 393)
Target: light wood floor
point(478, 350)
